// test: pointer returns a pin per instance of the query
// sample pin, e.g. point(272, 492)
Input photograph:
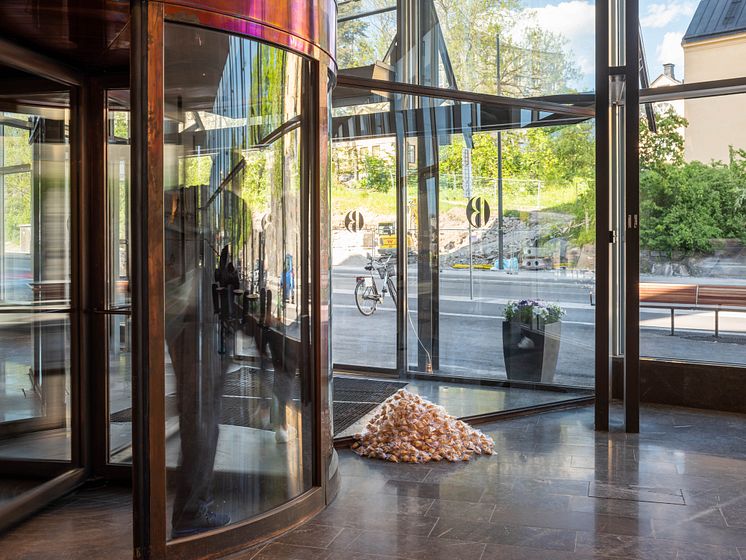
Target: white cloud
point(669, 50)
point(574, 20)
point(660, 15)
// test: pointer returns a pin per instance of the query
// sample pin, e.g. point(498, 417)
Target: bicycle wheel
point(364, 299)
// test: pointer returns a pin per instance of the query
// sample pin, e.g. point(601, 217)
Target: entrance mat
point(353, 399)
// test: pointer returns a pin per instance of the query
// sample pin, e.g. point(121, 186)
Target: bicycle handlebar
point(381, 260)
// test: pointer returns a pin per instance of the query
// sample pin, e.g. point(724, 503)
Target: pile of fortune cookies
point(410, 429)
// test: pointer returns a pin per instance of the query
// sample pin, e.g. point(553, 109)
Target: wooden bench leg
point(717, 323)
point(672, 317)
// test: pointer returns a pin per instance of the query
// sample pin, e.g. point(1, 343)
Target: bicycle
point(367, 295)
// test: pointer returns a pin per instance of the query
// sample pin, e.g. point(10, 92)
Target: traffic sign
point(477, 211)
point(354, 221)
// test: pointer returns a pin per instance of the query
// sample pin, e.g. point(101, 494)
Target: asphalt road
point(471, 327)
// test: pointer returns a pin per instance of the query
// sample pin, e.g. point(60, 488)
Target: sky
point(664, 23)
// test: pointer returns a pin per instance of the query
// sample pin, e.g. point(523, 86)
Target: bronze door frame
point(65, 475)
point(149, 462)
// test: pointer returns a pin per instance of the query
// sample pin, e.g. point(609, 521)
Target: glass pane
point(528, 318)
point(693, 231)
point(686, 41)
point(364, 239)
point(35, 282)
point(500, 221)
point(118, 236)
point(526, 48)
point(366, 33)
point(236, 201)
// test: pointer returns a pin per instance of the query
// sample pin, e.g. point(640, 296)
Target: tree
point(533, 61)
point(363, 41)
point(377, 174)
point(688, 207)
point(353, 48)
point(666, 146)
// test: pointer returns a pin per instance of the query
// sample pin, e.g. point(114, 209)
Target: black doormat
point(353, 399)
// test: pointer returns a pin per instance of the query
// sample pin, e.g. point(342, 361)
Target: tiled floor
point(556, 490)
point(93, 523)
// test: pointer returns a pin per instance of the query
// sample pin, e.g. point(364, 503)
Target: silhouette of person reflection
point(200, 347)
point(275, 345)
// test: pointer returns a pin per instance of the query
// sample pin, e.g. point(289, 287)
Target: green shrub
point(686, 207)
point(377, 175)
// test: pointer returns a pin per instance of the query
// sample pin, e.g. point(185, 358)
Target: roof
point(715, 18)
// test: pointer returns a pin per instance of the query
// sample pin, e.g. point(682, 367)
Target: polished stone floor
point(555, 490)
point(92, 523)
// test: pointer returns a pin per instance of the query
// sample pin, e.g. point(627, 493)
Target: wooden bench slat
point(722, 295)
point(684, 294)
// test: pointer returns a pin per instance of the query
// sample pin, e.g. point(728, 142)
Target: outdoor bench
point(711, 297)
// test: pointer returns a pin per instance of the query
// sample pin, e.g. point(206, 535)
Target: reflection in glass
point(524, 48)
point(35, 283)
point(693, 231)
point(514, 289)
point(364, 245)
point(500, 213)
point(236, 278)
point(119, 327)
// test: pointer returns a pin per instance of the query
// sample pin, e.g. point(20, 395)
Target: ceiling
point(86, 34)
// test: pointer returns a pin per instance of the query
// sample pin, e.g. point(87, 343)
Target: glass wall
point(237, 311)
point(35, 279)
point(524, 48)
point(497, 210)
point(693, 231)
point(364, 232)
point(494, 202)
point(528, 236)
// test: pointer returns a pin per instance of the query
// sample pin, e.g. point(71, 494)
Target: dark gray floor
point(556, 490)
point(12, 487)
point(94, 523)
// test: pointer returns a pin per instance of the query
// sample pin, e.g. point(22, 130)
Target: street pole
point(500, 255)
point(471, 267)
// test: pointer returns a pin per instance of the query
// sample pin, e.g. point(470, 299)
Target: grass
point(518, 197)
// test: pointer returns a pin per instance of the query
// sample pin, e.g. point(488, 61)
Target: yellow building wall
point(716, 122)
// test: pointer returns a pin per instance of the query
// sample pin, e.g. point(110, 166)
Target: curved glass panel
point(35, 279)
point(236, 223)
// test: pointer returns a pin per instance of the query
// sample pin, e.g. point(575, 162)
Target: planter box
point(530, 351)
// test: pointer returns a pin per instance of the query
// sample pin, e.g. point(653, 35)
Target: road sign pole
point(471, 268)
point(500, 225)
point(500, 255)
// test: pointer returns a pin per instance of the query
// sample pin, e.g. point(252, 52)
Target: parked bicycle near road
point(367, 294)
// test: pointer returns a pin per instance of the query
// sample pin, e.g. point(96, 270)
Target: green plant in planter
point(530, 311)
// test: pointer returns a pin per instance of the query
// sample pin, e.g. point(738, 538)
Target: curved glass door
point(239, 419)
point(35, 276)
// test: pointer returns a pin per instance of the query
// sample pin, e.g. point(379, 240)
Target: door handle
point(119, 310)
